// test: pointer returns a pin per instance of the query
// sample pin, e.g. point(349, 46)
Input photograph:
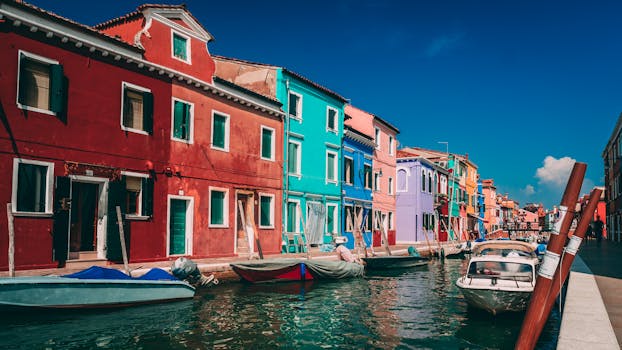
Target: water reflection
point(418, 308)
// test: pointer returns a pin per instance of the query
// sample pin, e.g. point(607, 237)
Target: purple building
point(416, 187)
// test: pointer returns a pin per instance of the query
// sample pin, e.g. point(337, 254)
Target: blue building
point(481, 210)
point(356, 184)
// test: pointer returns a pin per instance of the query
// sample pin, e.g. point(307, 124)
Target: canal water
point(418, 308)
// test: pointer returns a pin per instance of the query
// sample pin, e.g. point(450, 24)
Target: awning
point(477, 217)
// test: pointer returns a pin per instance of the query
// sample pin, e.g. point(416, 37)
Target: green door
point(177, 228)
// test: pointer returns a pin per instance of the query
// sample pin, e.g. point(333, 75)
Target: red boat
point(283, 270)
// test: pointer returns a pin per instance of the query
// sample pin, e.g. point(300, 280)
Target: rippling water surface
point(418, 308)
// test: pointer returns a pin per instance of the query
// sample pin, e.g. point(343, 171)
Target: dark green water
point(419, 308)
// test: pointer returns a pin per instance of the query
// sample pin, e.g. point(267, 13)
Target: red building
point(127, 115)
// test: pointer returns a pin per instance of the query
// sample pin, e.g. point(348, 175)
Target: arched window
point(430, 183)
point(401, 181)
point(422, 180)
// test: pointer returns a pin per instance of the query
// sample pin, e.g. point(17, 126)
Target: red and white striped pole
point(570, 252)
point(550, 262)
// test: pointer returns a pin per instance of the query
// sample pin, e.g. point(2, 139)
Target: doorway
point(84, 224)
point(245, 222)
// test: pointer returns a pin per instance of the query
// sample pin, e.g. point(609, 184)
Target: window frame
point(297, 117)
point(141, 176)
point(391, 145)
point(225, 207)
point(272, 146)
point(335, 218)
point(272, 210)
point(378, 137)
point(349, 224)
point(49, 183)
point(227, 131)
point(188, 46)
point(298, 172)
point(136, 88)
point(376, 182)
point(346, 179)
point(297, 214)
point(335, 178)
point(390, 181)
point(42, 60)
point(328, 128)
point(397, 176)
point(390, 220)
point(191, 128)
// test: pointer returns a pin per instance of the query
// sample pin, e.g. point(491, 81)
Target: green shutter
point(179, 112)
point(177, 227)
point(217, 208)
point(147, 196)
point(218, 138)
point(330, 219)
point(266, 143)
point(292, 156)
point(148, 112)
point(179, 47)
point(116, 197)
point(266, 209)
point(293, 104)
point(60, 230)
point(57, 89)
point(23, 85)
point(330, 166)
point(291, 217)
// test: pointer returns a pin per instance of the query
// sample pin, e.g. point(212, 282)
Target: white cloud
point(555, 172)
point(528, 190)
point(443, 43)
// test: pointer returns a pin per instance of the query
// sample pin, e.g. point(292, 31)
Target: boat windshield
point(505, 252)
point(501, 270)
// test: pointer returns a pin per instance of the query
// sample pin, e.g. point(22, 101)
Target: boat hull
point(283, 270)
point(291, 273)
point(394, 262)
point(496, 301)
point(71, 293)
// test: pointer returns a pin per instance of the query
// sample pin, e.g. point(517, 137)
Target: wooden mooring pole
point(569, 254)
point(9, 216)
point(534, 317)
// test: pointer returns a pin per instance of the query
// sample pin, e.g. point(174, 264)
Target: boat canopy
point(329, 269)
point(103, 273)
point(503, 248)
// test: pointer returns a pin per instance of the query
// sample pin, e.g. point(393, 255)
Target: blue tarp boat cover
point(103, 273)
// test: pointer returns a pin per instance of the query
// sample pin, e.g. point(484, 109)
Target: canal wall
point(585, 321)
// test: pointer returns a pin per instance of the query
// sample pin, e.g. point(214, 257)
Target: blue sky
point(524, 87)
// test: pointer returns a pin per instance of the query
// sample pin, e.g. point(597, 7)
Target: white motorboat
point(500, 277)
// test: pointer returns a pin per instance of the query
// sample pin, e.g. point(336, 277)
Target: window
point(331, 167)
point(295, 105)
point(390, 185)
point(391, 145)
point(377, 138)
point(348, 171)
point(368, 219)
point(219, 207)
point(293, 219)
point(331, 218)
point(220, 131)
point(377, 220)
point(182, 121)
point(266, 210)
point(401, 180)
point(430, 183)
point(368, 175)
point(390, 219)
point(349, 218)
point(32, 186)
point(137, 109)
point(267, 143)
point(40, 84)
point(331, 119)
point(138, 195)
point(422, 180)
point(293, 158)
point(181, 47)
point(376, 181)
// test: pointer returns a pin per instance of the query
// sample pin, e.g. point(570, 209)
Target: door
point(83, 227)
point(177, 227)
point(245, 218)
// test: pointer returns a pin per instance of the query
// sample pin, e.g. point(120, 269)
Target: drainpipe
point(286, 159)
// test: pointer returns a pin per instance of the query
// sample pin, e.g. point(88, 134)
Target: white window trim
point(131, 86)
point(371, 182)
point(298, 108)
point(391, 145)
point(390, 216)
point(377, 132)
point(296, 213)
point(336, 129)
point(140, 200)
point(227, 128)
point(390, 181)
point(335, 218)
point(225, 207)
point(377, 182)
point(34, 57)
point(189, 224)
point(345, 217)
point(188, 46)
point(272, 204)
point(298, 173)
point(272, 148)
point(191, 131)
point(406, 177)
point(49, 186)
point(335, 168)
point(345, 181)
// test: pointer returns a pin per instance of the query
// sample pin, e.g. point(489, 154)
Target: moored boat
point(394, 261)
point(499, 278)
point(282, 270)
point(95, 287)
